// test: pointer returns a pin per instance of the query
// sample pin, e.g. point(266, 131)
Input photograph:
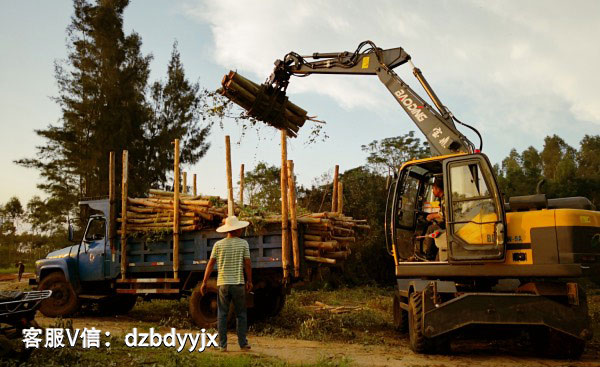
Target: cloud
point(537, 58)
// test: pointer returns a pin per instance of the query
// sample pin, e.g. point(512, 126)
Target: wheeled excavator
point(506, 264)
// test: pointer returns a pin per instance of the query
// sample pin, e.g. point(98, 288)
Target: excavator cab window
point(410, 209)
point(475, 220)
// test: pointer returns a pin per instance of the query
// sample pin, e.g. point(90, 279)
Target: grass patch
point(163, 312)
point(119, 355)
point(371, 324)
point(593, 297)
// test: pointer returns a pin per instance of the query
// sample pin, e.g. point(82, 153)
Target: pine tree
point(105, 102)
point(178, 113)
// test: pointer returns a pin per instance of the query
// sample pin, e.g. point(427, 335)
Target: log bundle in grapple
point(264, 103)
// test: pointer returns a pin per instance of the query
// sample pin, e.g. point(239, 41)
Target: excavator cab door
point(475, 219)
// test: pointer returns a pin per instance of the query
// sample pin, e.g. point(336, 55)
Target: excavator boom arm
point(438, 127)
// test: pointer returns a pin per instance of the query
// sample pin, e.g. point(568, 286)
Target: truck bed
point(155, 254)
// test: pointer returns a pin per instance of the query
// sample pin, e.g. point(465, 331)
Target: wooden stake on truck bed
point(340, 198)
point(184, 182)
point(124, 185)
point(285, 244)
point(176, 213)
point(293, 221)
point(334, 195)
point(195, 192)
point(242, 185)
point(230, 211)
point(112, 229)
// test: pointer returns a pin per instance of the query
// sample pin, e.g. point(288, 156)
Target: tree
point(263, 187)
point(177, 107)
point(566, 170)
point(552, 154)
point(388, 154)
point(11, 214)
point(520, 173)
point(588, 158)
point(41, 217)
point(103, 88)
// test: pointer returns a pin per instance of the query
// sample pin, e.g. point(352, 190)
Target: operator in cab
point(430, 250)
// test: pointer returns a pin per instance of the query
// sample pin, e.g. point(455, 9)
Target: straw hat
point(232, 223)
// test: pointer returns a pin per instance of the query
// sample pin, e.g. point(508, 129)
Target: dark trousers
point(430, 250)
point(229, 294)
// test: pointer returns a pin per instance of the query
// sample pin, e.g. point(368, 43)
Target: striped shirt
point(230, 254)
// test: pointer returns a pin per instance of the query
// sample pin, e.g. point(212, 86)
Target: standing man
point(232, 255)
point(430, 250)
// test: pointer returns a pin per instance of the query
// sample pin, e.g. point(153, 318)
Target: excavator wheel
point(554, 344)
point(419, 343)
point(400, 315)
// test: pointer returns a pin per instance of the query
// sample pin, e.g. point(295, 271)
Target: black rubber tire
point(400, 315)
point(203, 308)
point(7, 349)
point(275, 302)
point(119, 304)
point(419, 343)
point(554, 344)
point(268, 302)
point(64, 301)
point(12, 347)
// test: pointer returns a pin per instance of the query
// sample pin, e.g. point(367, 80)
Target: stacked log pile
point(156, 213)
point(328, 235)
point(262, 103)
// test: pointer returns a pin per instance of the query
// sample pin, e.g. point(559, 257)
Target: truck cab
point(82, 268)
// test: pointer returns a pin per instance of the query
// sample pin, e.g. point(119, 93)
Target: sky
point(516, 70)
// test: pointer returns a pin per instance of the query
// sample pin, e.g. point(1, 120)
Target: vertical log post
point(340, 200)
point(285, 244)
point(112, 193)
point(185, 182)
point(294, 222)
point(195, 187)
point(334, 195)
point(124, 185)
point(176, 190)
point(242, 185)
point(230, 211)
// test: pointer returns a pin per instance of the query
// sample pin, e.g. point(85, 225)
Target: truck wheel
point(268, 302)
point(63, 301)
point(400, 315)
point(6, 348)
point(275, 302)
point(11, 343)
point(118, 305)
point(203, 308)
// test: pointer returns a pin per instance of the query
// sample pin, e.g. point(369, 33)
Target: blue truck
point(89, 271)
